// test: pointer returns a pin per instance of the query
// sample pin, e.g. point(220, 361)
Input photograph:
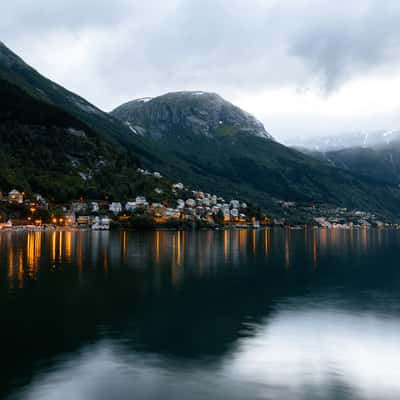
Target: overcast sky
point(303, 67)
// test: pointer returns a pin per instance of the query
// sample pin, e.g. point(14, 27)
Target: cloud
point(111, 52)
point(339, 45)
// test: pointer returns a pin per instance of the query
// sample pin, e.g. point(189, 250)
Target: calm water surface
point(272, 314)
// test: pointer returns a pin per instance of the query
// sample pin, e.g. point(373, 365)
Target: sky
point(303, 67)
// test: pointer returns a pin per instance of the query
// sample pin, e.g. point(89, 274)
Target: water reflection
point(294, 314)
point(201, 252)
point(288, 358)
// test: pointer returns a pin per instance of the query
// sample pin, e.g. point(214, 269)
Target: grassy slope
point(261, 170)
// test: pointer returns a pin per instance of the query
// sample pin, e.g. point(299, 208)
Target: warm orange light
point(32, 209)
point(54, 220)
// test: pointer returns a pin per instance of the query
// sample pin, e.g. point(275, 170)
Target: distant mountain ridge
point(372, 154)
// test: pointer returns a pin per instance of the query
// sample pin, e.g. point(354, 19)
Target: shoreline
point(25, 229)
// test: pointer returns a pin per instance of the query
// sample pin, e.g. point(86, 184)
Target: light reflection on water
point(309, 314)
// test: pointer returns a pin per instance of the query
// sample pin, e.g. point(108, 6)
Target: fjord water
point(275, 314)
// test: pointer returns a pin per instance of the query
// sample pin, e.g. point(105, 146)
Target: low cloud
point(114, 51)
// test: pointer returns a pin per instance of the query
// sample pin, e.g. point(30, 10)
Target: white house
point(94, 207)
point(235, 212)
point(198, 195)
point(206, 202)
point(178, 186)
point(41, 200)
point(235, 203)
point(130, 206)
point(190, 202)
point(115, 207)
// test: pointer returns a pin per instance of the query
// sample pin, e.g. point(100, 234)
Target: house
point(84, 220)
point(41, 201)
point(141, 202)
point(105, 222)
point(190, 202)
point(130, 206)
point(206, 202)
point(227, 214)
point(115, 207)
point(78, 207)
point(94, 206)
point(69, 219)
point(178, 186)
point(101, 224)
point(180, 203)
point(234, 203)
point(173, 213)
point(15, 197)
point(198, 195)
point(157, 209)
point(235, 213)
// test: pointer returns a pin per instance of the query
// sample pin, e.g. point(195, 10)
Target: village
point(183, 208)
point(188, 209)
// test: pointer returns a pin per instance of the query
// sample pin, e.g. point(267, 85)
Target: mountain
point(184, 114)
point(209, 142)
point(55, 142)
point(374, 154)
point(380, 162)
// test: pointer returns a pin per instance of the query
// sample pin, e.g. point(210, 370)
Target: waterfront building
point(15, 197)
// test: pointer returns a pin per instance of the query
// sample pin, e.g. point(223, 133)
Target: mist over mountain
point(369, 139)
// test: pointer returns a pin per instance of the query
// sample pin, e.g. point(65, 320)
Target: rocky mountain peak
point(189, 113)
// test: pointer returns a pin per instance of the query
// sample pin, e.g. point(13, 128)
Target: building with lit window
point(15, 197)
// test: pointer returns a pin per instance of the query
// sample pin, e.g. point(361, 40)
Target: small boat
point(102, 224)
